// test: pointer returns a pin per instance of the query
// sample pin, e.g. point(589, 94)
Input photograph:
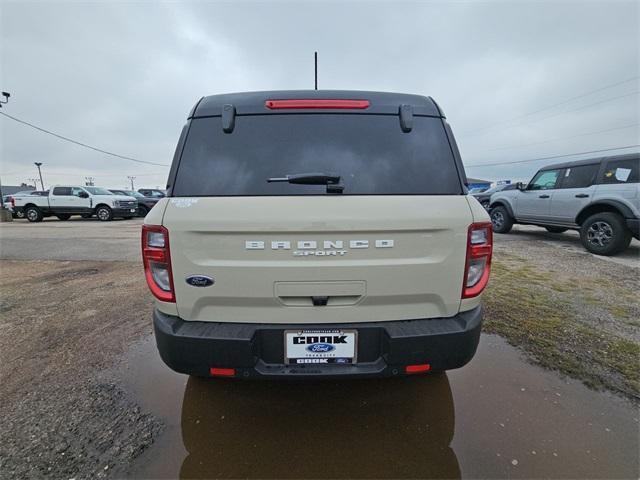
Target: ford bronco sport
point(600, 197)
point(316, 233)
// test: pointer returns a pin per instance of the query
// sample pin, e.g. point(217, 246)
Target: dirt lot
point(63, 325)
point(572, 311)
point(80, 398)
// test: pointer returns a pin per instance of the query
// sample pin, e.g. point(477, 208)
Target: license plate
point(320, 346)
point(133, 210)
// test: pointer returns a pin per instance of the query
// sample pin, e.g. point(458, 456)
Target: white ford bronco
point(599, 197)
point(313, 234)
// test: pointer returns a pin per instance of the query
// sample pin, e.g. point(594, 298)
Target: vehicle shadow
point(393, 428)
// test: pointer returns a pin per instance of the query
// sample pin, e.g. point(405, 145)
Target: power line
point(569, 100)
point(560, 138)
point(80, 143)
point(573, 110)
point(548, 158)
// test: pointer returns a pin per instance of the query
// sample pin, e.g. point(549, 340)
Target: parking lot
point(553, 391)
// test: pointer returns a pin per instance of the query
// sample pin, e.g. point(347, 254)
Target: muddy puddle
point(497, 417)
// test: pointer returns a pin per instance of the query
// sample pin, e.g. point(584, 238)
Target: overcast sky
point(123, 76)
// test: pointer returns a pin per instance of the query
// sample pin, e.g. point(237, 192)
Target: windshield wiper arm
point(308, 179)
point(332, 181)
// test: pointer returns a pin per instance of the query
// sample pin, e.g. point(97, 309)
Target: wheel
point(86, 215)
point(19, 214)
point(104, 213)
point(605, 234)
point(63, 216)
point(33, 214)
point(556, 229)
point(142, 211)
point(501, 220)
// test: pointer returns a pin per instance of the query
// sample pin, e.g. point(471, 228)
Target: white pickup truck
point(66, 200)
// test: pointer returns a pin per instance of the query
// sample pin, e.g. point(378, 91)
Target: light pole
point(39, 164)
point(89, 181)
point(5, 215)
point(131, 179)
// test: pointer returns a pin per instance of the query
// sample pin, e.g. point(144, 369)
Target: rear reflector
point(222, 372)
point(328, 104)
point(421, 368)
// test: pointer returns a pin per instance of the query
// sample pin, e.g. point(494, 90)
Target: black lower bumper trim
point(257, 350)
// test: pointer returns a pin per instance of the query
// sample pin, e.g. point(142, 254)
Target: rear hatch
point(391, 246)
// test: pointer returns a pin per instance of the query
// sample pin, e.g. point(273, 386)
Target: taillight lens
point(478, 264)
point(157, 262)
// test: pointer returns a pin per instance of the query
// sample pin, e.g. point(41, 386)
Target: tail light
point(478, 265)
point(156, 257)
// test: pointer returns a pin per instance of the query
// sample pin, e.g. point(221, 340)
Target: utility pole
point(131, 179)
point(89, 181)
point(39, 164)
point(315, 63)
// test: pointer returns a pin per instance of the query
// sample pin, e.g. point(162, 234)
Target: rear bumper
point(257, 350)
point(633, 224)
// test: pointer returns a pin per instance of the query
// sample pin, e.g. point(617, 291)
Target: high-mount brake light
point(156, 257)
point(478, 265)
point(316, 103)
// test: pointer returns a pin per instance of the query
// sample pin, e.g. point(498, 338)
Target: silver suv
point(599, 197)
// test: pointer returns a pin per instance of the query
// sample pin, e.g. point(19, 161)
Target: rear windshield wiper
point(332, 181)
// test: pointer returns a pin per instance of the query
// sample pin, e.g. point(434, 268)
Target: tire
point(142, 211)
point(63, 216)
point(33, 214)
point(501, 221)
point(104, 213)
point(605, 234)
point(556, 229)
point(19, 214)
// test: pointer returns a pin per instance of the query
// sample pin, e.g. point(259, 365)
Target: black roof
point(591, 161)
point(247, 103)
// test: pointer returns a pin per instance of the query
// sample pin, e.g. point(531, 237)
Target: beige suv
point(316, 233)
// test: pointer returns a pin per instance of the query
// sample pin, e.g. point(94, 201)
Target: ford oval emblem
point(200, 281)
point(320, 347)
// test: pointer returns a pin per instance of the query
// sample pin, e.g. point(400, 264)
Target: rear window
point(371, 153)
point(622, 171)
point(580, 177)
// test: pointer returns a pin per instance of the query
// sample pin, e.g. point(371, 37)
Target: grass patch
point(522, 305)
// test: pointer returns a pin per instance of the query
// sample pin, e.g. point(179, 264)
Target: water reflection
point(359, 429)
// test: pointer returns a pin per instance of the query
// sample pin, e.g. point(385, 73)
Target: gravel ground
point(64, 412)
point(571, 311)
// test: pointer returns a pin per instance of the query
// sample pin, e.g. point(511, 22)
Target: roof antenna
point(315, 61)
